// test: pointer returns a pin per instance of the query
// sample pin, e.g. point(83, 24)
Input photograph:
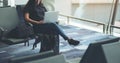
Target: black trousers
point(48, 42)
point(49, 28)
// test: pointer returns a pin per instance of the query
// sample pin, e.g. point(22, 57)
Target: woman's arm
point(27, 18)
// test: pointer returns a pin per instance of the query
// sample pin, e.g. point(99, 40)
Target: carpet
point(83, 35)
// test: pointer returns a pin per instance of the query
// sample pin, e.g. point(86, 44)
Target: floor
point(69, 51)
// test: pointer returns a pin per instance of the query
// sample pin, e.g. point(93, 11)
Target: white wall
point(17, 2)
point(92, 1)
point(64, 6)
point(11, 2)
point(96, 1)
point(49, 4)
point(20, 2)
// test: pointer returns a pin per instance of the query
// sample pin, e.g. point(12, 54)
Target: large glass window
point(100, 11)
point(116, 19)
point(93, 10)
point(1, 3)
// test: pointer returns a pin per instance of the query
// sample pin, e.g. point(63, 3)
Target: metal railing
point(86, 20)
point(112, 27)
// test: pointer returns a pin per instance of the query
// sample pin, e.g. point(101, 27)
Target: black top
point(37, 12)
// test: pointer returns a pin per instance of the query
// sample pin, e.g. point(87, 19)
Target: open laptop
point(51, 16)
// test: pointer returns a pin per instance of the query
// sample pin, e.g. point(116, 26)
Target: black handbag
point(21, 31)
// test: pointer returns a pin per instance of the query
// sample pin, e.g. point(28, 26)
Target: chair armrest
point(52, 59)
point(32, 57)
point(1, 32)
point(2, 29)
point(74, 60)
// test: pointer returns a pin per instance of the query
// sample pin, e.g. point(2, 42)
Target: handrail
point(111, 28)
point(91, 21)
point(118, 27)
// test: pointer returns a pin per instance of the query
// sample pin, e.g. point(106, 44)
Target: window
point(3, 3)
point(93, 10)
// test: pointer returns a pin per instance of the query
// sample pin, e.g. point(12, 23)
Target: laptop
point(51, 16)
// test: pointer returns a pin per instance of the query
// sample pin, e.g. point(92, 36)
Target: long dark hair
point(30, 4)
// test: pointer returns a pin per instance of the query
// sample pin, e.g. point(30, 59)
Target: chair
point(95, 53)
point(112, 52)
point(32, 57)
point(50, 41)
point(53, 59)
point(8, 21)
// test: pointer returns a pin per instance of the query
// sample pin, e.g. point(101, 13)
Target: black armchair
point(8, 21)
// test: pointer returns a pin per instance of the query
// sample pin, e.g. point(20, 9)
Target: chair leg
point(28, 43)
point(34, 46)
point(24, 43)
point(37, 40)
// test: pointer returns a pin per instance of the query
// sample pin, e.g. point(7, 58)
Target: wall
point(64, 6)
point(20, 2)
point(49, 4)
point(96, 1)
point(98, 12)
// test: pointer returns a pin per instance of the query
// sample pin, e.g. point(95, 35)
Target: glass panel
point(5, 3)
point(20, 2)
point(1, 3)
point(117, 21)
point(93, 10)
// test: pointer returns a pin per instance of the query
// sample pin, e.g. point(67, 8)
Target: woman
point(34, 13)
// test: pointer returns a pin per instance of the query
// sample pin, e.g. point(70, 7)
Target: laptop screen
point(51, 16)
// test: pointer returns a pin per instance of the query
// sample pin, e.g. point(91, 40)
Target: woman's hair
point(30, 3)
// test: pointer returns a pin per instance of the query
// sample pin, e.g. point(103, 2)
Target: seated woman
point(34, 13)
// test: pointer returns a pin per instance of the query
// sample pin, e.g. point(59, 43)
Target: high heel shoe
point(73, 42)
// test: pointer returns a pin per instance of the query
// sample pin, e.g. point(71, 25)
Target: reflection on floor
point(83, 35)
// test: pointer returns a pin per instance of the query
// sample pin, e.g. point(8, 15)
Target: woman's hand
point(39, 22)
point(27, 18)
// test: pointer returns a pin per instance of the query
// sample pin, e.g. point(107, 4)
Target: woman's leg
point(50, 27)
point(47, 27)
point(56, 29)
point(59, 30)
